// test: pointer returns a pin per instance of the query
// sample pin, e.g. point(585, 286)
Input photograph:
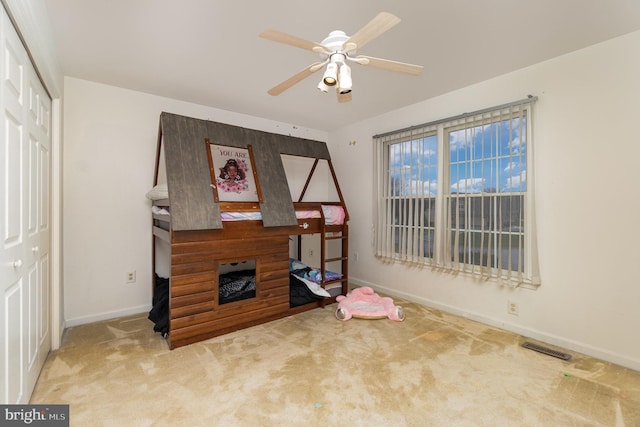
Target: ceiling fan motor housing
point(335, 42)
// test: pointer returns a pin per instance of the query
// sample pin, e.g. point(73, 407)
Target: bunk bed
point(229, 263)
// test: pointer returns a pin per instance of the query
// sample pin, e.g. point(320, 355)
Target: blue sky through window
point(489, 158)
point(413, 167)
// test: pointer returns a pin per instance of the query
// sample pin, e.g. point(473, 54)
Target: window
point(236, 281)
point(457, 194)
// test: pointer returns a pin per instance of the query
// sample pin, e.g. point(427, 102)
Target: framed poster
point(232, 175)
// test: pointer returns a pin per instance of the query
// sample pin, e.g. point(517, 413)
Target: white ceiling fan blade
point(280, 37)
point(387, 64)
point(277, 90)
point(384, 21)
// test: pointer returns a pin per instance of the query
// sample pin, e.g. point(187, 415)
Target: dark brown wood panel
point(240, 230)
point(221, 256)
point(278, 258)
point(193, 268)
point(193, 309)
point(188, 279)
point(273, 293)
point(193, 299)
point(281, 275)
point(275, 283)
point(281, 265)
point(190, 338)
point(195, 288)
point(229, 248)
point(200, 324)
point(248, 309)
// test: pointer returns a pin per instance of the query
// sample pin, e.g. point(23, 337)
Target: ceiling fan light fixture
point(345, 82)
point(331, 74)
point(323, 87)
point(335, 51)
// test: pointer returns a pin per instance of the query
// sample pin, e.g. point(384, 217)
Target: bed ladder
point(331, 233)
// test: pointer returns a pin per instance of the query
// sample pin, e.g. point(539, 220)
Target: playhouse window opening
point(236, 281)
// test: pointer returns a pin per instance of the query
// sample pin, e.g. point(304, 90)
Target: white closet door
point(25, 158)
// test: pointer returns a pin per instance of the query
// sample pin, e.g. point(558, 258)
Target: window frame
point(404, 250)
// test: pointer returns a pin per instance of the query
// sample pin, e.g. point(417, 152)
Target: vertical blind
point(457, 194)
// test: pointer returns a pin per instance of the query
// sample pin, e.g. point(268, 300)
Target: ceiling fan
point(338, 49)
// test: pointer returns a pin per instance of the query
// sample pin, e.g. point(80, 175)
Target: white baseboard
point(83, 320)
point(545, 337)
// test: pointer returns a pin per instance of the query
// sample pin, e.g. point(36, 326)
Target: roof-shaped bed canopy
point(189, 173)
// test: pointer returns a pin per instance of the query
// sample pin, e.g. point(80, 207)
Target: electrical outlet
point(512, 308)
point(131, 276)
point(355, 256)
point(310, 252)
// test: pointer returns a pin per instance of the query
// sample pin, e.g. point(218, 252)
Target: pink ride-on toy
point(366, 304)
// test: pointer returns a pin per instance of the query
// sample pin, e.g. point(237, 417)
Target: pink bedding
point(334, 215)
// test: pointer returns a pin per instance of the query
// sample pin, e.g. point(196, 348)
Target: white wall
point(586, 153)
point(110, 139)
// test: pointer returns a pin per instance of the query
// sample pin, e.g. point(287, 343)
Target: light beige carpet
point(433, 369)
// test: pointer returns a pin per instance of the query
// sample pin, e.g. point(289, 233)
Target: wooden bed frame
point(195, 312)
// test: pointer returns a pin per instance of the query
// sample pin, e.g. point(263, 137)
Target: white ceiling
point(208, 51)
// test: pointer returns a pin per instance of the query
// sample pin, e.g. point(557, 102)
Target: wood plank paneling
point(204, 323)
point(281, 275)
point(188, 178)
point(194, 299)
point(183, 269)
point(228, 248)
point(188, 279)
point(272, 284)
point(193, 289)
point(190, 338)
point(195, 310)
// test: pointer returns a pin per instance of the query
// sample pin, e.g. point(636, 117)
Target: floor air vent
point(547, 351)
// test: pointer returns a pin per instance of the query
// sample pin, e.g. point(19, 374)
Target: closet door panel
point(13, 265)
point(25, 146)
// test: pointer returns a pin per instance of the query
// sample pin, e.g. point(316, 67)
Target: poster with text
point(234, 174)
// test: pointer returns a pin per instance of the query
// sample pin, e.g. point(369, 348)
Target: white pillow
point(158, 192)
